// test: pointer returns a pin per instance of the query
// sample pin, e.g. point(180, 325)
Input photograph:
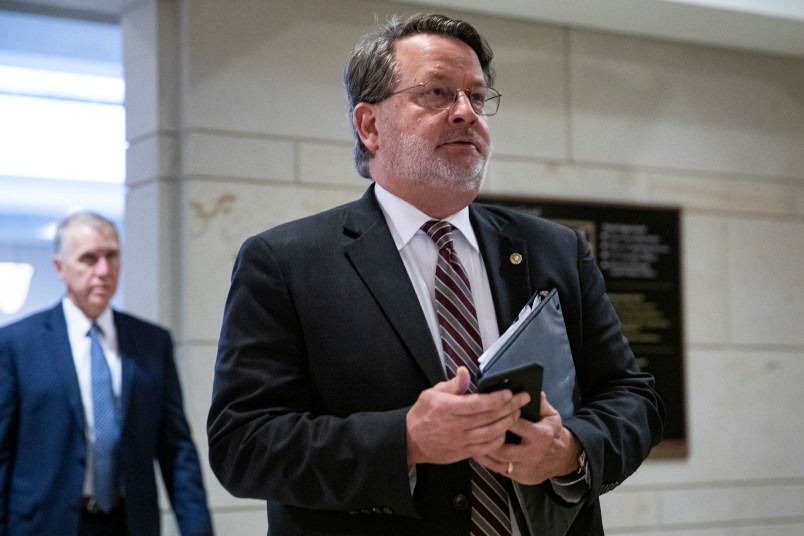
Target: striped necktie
point(105, 451)
point(460, 339)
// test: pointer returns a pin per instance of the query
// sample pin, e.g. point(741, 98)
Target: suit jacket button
point(460, 502)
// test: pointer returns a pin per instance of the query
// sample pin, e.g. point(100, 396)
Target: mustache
point(467, 134)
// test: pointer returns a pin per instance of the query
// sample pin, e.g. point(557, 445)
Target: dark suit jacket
point(43, 451)
point(324, 348)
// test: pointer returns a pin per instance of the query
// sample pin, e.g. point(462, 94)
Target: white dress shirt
point(420, 255)
point(78, 332)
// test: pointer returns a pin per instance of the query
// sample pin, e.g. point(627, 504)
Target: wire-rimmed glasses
point(438, 96)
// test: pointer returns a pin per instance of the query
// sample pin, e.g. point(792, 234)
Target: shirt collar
point(405, 220)
point(79, 324)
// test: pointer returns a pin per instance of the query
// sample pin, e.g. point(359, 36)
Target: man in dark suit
point(52, 445)
point(337, 394)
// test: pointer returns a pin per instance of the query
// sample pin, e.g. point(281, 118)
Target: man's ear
point(365, 121)
point(58, 265)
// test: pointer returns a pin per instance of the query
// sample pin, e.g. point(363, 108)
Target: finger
point(545, 409)
point(521, 399)
point(488, 407)
point(457, 385)
point(505, 468)
point(491, 434)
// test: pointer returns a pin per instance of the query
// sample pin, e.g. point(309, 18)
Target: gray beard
point(406, 158)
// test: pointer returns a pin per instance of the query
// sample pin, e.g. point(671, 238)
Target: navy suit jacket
point(324, 348)
point(43, 450)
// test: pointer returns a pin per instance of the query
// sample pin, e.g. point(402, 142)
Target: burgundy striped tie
point(460, 338)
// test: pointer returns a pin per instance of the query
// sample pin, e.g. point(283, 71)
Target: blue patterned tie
point(460, 339)
point(107, 428)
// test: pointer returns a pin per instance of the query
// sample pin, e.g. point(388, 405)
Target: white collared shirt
point(420, 256)
point(78, 332)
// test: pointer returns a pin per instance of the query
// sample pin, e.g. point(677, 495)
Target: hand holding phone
point(522, 378)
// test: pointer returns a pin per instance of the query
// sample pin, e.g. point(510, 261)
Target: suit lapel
point(127, 348)
point(56, 344)
point(374, 256)
point(507, 265)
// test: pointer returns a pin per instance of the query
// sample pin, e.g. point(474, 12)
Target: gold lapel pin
point(515, 258)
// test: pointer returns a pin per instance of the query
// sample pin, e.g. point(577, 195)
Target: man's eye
point(438, 91)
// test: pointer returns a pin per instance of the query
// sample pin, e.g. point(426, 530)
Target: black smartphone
point(522, 378)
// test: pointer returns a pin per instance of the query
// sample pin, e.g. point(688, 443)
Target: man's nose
point(461, 110)
point(102, 266)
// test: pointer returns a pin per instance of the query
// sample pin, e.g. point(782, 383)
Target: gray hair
point(92, 219)
point(371, 70)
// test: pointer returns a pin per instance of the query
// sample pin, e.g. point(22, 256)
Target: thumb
point(457, 385)
point(546, 409)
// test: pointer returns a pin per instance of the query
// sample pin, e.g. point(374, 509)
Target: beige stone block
point(237, 156)
point(766, 281)
point(242, 521)
point(329, 164)
point(218, 218)
point(152, 157)
point(741, 404)
point(556, 179)
point(732, 194)
point(705, 284)
point(270, 67)
point(530, 61)
point(667, 105)
point(630, 508)
point(725, 504)
point(150, 257)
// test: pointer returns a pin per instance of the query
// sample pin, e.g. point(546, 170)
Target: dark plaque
point(638, 251)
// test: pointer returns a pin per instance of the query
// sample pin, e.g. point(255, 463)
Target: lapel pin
point(515, 258)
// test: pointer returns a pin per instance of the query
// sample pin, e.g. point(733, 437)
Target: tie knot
point(439, 232)
point(95, 331)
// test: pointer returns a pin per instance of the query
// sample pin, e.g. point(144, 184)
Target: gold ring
point(510, 467)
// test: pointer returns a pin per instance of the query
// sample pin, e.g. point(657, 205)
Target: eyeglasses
point(484, 100)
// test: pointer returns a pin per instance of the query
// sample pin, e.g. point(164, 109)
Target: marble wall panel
point(640, 102)
point(531, 66)
point(244, 521)
point(151, 67)
point(630, 508)
point(152, 157)
point(220, 155)
point(271, 67)
point(562, 180)
point(329, 164)
point(762, 528)
point(732, 504)
point(798, 201)
point(276, 68)
point(732, 194)
point(766, 281)
point(705, 281)
point(150, 253)
point(218, 217)
point(742, 406)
